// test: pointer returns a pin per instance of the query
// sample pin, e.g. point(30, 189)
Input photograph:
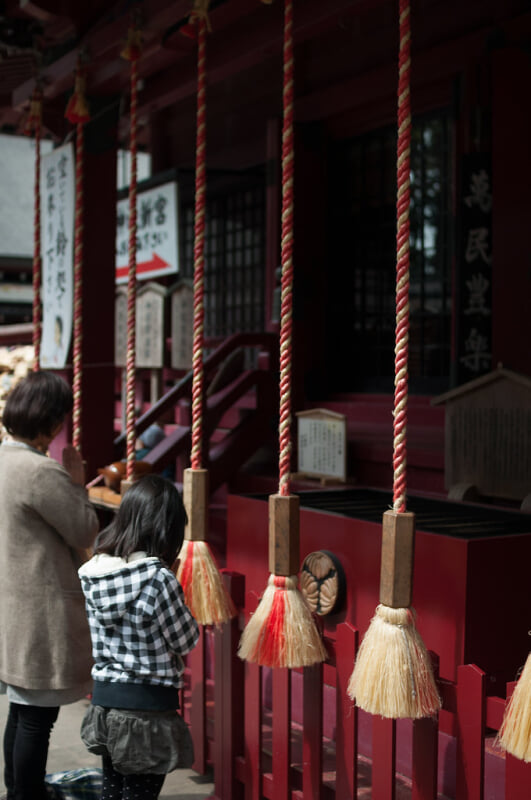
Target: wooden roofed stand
point(488, 438)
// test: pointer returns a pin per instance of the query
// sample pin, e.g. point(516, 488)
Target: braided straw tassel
point(392, 676)
point(204, 590)
point(282, 631)
point(515, 732)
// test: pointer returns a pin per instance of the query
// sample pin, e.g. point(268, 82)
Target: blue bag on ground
point(75, 784)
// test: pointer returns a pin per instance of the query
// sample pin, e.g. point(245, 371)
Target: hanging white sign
point(157, 251)
point(57, 196)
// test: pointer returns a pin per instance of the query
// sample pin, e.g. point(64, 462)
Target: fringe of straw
point(204, 590)
point(282, 631)
point(392, 676)
point(515, 732)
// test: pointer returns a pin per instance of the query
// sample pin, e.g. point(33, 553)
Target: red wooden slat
point(346, 714)
point(281, 732)
point(470, 733)
point(219, 693)
point(253, 731)
point(494, 712)
point(517, 779)
point(383, 758)
point(312, 742)
point(425, 743)
point(233, 680)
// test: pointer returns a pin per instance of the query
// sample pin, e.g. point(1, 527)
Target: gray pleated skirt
point(138, 742)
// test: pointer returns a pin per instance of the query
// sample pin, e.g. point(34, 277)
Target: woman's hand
point(73, 463)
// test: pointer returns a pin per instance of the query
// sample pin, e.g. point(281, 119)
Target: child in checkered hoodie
point(140, 629)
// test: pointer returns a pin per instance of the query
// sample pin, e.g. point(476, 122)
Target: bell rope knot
point(34, 118)
point(133, 45)
point(200, 12)
point(77, 108)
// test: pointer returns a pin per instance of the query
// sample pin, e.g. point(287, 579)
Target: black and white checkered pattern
point(139, 623)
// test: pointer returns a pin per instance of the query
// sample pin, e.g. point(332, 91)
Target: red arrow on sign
point(156, 263)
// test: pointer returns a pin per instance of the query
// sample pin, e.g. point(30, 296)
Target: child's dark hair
point(151, 517)
point(37, 404)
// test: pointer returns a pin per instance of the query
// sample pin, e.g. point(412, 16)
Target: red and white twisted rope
point(402, 265)
point(286, 307)
point(199, 253)
point(37, 263)
point(78, 291)
point(131, 279)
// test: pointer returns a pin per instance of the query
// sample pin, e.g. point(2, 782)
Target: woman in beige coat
point(46, 519)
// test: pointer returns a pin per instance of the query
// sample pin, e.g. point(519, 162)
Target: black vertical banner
point(474, 269)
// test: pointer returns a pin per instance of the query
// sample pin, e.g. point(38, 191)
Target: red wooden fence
point(261, 746)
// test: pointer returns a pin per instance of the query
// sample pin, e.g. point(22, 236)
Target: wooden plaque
point(182, 324)
point(322, 444)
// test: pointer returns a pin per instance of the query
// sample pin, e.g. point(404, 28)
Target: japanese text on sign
point(156, 234)
point(321, 445)
point(475, 282)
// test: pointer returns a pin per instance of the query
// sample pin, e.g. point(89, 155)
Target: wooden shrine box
point(322, 444)
point(471, 572)
point(488, 436)
point(182, 324)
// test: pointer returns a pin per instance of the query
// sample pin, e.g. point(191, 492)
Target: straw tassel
point(282, 631)
point(198, 574)
point(392, 676)
point(515, 732)
point(77, 108)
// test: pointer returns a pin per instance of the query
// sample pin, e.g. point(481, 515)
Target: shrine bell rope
point(282, 631)
point(198, 573)
point(34, 125)
point(199, 245)
point(131, 53)
point(77, 113)
point(392, 676)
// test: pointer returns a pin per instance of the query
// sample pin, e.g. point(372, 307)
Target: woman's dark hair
point(37, 405)
point(151, 517)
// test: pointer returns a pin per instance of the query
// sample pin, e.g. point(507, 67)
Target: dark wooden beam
point(242, 43)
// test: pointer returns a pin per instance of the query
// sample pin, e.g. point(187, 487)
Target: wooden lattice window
point(361, 314)
point(234, 260)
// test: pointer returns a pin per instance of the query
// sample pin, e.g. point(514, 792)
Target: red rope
point(199, 252)
point(78, 290)
point(402, 265)
point(34, 124)
point(131, 280)
point(286, 307)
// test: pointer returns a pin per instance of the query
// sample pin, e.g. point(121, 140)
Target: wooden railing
point(261, 748)
point(244, 438)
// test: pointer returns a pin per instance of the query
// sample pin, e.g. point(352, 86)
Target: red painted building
point(470, 276)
